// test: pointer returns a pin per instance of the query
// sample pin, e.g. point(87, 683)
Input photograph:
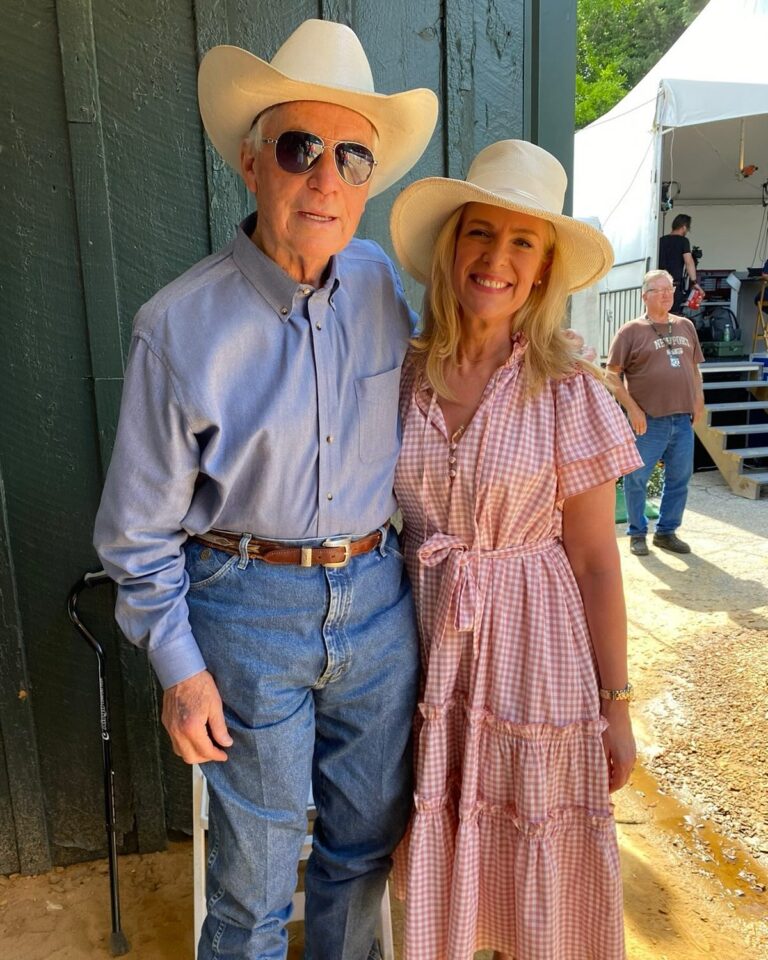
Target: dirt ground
point(693, 824)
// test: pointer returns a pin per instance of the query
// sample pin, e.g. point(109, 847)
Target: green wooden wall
point(108, 190)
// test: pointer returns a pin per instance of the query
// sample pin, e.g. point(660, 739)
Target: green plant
point(655, 481)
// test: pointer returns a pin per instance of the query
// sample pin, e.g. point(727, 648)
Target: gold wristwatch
point(626, 693)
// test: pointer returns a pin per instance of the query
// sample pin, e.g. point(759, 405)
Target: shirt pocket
point(377, 402)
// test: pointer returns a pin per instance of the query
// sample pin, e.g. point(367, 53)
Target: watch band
point(625, 693)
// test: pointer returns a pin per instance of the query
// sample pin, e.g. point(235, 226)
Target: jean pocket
point(205, 565)
point(377, 406)
point(392, 544)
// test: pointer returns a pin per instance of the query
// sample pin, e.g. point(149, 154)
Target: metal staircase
point(734, 428)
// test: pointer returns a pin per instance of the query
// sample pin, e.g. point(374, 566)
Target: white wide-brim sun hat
point(323, 61)
point(511, 174)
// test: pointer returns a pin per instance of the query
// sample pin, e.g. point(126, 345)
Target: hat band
point(522, 197)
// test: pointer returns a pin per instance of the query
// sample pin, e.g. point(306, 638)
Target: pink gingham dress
point(512, 845)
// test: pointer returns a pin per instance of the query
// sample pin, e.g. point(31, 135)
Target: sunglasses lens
point(296, 151)
point(354, 162)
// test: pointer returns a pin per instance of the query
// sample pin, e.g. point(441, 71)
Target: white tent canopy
point(684, 122)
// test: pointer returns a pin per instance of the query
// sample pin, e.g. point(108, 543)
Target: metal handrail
point(616, 307)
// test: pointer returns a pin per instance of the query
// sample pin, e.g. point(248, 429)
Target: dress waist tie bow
point(464, 583)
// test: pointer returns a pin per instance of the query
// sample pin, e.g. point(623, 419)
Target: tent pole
point(741, 144)
point(652, 244)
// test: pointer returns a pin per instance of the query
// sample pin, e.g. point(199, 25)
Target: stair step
point(730, 367)
point(760, 476)
point(742, 405)
point(741, 429)
point(747, 453)
point(735, 384)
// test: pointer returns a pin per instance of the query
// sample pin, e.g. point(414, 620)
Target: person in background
point(653, 369)
point(676, 258)
point(506, 481)
point(764, 304)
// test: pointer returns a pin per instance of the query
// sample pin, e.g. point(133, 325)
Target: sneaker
point(638, 546)
point(670, 541)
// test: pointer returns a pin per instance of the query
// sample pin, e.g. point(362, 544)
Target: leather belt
point(333, 552)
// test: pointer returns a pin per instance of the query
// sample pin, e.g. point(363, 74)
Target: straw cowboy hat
point(324, 61)
point(511, 174)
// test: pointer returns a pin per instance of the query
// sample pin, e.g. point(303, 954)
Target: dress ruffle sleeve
point(593, 441)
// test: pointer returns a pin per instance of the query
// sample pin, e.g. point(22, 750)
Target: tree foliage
point(618, 43)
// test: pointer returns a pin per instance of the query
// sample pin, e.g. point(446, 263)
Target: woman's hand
point(577, 343)
point(618, 743)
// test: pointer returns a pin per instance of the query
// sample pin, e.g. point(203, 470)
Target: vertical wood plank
point(342, 11)
point(227, 197)
point(403, 42)
point(459, 99)
point(498, 72)
point(91, 187)
point(30, 853)
point(551, 79)
point(99, 277)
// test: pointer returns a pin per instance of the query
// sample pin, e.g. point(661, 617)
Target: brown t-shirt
point(660, 365)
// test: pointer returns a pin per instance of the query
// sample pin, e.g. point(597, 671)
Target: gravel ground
point(705, 709)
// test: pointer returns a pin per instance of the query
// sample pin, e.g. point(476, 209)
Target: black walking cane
point(118, 943)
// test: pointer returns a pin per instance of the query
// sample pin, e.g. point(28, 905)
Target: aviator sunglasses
point(297, 152)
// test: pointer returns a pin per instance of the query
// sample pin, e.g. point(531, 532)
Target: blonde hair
point(549, 355)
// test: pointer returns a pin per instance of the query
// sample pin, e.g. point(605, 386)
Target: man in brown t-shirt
point(653, 367)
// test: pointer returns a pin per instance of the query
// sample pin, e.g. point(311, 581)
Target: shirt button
point(329, 438)
point(319, 325)
point(284, 311)
point(329, 496)
point(451, 459)
point(306, 291)
point(452, 474)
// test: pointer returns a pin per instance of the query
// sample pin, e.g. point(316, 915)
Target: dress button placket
point(452, 444)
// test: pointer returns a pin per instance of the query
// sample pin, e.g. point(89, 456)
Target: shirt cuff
point(177, 660)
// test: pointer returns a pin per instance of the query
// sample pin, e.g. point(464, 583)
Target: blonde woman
point(506, 479)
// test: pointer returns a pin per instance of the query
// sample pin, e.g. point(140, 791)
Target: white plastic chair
point(199, 828)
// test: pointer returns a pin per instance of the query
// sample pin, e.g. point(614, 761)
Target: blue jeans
point(669, 439)
point(318, 671)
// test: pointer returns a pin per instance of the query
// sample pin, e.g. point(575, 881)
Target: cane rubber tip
point(118, 944)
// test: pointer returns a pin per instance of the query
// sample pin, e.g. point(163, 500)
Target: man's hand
point(698, 407)
point(193, 715)
point(637, 419)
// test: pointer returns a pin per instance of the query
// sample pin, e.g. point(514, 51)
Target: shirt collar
point(272, 282)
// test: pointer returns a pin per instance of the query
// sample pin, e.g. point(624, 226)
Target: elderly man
point(245, 513)
point(653, 367)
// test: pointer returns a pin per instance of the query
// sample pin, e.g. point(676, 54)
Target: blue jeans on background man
point(669, 439)
point(318, 671)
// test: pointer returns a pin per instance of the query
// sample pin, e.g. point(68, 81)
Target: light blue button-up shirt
point(251, 404)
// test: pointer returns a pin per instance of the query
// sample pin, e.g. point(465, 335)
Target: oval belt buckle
point(344, 542)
